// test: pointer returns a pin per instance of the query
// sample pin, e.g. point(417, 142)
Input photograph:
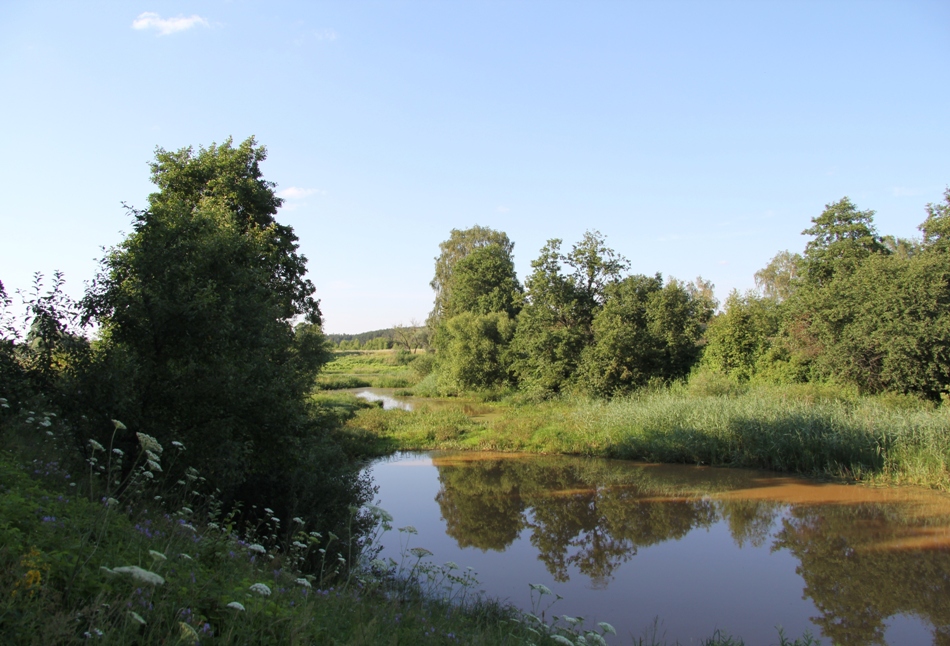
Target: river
point(682, 550)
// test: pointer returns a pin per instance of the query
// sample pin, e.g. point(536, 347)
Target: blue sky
point(699, 137)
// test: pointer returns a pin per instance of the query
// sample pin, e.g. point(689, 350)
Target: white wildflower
point(50, 433)
point(261, 589)
point(379, 564)
point(420, 552)
point(188, 633)
point(234, 605)
point(573, 620)
point(136, 617)
point(149, 475)
point(178, 445)
point(189, 527)
point(186, 511)
point(111, 502)
point(139, 574)
point(597, 640)
point(298, 519)
point(151, 456)
point(302, 546)
point(607, 628)
point(45, 422)
point(304, 583)
point(149, 443)
point(29, 420)
point(316, 534)
point(255, 547)
point(409, 529)
point(118, 452)
point(561, 639)
point(451, 565)
point(380, 513)
point(276, 520)
point(96, 446)
point(540, 588)
point(156, 556)
point(154, 466)
point(185, 556)
point(119, 426)
point(268, 510)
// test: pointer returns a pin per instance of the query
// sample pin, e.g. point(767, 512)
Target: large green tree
point(202, 296)
point(564, 293)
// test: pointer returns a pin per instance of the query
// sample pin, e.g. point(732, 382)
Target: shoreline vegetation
point(811, 430)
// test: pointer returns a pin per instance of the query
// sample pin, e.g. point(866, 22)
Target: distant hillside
point(363, 337)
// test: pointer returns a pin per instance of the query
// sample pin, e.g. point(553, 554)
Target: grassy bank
point(817, 431)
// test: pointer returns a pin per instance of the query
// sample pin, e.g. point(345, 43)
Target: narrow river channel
point(682, 550)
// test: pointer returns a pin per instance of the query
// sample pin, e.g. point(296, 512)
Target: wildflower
point(136, 617)
point(118, 452)
point(45, 422)
point(29, 420)
point(148, 474)
point(595, 639)
point(178, 445)
point(188, 634)
point(236, 606)
point(573, 620)
point(380, 513)
point(316, 534)
point(189, 527)
point(300, 545)
point(268, 510)
point(276, 520)
point(106, 570)
point(254, 547)
point(149, 443)
point(119, 426)
point(156, 556)
point(50, 433)
point(304, 583)
point(151, 456)
point(420, 552)
point(186, 557)
point(379, 564)
point(4, 403)
point(187, 511)
point(607, 628)
point(540, 588)
point(111, 502)
point(154, 466)
point(298, 519)
point(451, 565)
point(409, 529)
point(261, 589)
point(139, 574)
point(561, 639)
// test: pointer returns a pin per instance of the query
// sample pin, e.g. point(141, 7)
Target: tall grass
point(814, 431)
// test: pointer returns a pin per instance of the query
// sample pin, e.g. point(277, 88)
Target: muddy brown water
point(682, 551)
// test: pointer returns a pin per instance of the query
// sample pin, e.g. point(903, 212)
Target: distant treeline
point(857, 309)
point(408, 337)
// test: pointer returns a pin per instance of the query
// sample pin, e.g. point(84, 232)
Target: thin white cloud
point(325, 34)
point(166, 26)
point(297, 193)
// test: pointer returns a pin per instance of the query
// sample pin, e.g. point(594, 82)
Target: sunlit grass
point(814, 431)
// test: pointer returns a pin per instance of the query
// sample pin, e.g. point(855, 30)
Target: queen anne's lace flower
point(234, 605)
point(254, 547)
point(95, 445)
point(261, 589)
point(137, 573)
point(304, 583)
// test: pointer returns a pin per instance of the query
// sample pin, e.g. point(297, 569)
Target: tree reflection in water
point(862, 562)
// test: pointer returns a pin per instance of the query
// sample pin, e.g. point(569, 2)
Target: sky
point(700, 138)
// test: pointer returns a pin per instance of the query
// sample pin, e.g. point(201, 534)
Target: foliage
point(201, 297)
point(564, 292)
point(645, 331)
point(472, 350)
point(739, 339)
point(459, 245)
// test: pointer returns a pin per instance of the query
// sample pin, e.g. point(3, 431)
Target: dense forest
point(856, 309)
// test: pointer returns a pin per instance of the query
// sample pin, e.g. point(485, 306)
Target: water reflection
point(864, 555)
point(389, 401)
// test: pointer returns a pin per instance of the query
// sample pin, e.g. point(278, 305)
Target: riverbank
point(809, 430)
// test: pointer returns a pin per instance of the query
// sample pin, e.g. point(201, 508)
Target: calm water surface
point(691, 548)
